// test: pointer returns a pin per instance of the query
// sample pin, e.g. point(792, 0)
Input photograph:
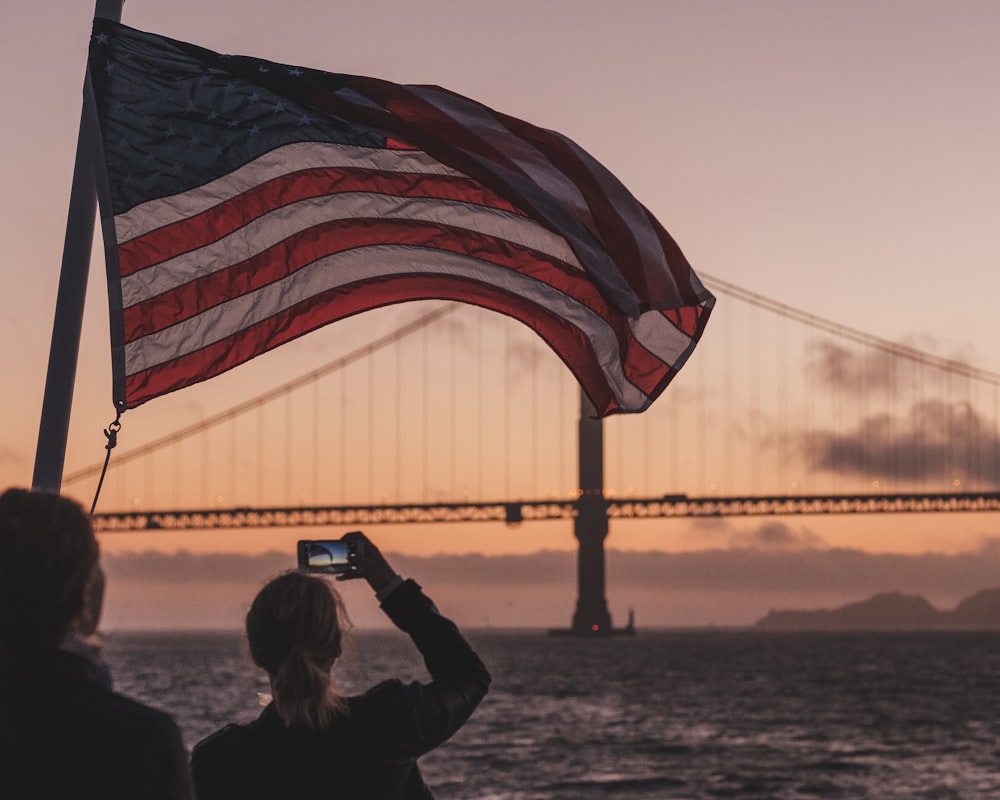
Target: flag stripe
point(234, 212)
point(286, 221)
point(284, 257)
point(211, 360)
point(272, 164)
point(366, 265)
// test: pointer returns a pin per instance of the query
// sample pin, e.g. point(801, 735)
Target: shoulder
point(225, 740)
point(79, 703)
point(220, 757)
point(383, 711)
point(382, 696)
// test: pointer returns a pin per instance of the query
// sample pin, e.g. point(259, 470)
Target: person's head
point(294, 629)
point(50, 578)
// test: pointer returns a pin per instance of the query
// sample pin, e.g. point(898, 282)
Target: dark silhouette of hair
point(294, 629)
point(48, 559)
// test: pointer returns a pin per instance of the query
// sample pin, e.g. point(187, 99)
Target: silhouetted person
point(310, 742)
point(63, 732)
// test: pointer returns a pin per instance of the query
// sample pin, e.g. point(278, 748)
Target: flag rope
point(111, 434)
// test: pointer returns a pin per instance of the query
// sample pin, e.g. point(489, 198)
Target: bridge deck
point(536, 510)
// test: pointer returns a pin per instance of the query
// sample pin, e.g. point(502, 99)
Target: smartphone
point(328, 555)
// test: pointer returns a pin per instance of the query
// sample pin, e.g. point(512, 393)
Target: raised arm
point(459, 680)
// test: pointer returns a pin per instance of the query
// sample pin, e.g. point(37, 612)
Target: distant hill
point(893, 611)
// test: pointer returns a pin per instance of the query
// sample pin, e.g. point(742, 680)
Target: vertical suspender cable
point(399, 426)
point(289, 492)
point(506, 410)
point(533, 491)
point(232, 462)
point(370, 361)
point(342, 437)
point(453, 408)
point(426, 412)
point(317, 421)
point(728, 431)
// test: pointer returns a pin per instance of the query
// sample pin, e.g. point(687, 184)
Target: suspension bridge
point(459, 415)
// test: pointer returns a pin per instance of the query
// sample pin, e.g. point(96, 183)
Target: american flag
point(246, 203)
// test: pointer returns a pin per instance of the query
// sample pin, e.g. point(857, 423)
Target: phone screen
point(324, 556)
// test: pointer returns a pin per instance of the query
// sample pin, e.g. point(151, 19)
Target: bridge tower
point(590, 527)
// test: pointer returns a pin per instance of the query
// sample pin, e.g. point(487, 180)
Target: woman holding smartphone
point(309, 741)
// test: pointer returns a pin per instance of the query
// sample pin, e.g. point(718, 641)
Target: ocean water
point(687, 714)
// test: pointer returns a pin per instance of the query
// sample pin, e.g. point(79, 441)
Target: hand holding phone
point(352, 556)
point(331, 556)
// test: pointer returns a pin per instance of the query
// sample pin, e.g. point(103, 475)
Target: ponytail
point(294, 630)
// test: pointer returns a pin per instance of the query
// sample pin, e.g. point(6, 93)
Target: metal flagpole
point(53, 430)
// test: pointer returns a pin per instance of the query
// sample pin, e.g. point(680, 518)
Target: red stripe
point(642, 368)
point(690, 319)
point(215, 223)
point(308, 246)
point(567, 342)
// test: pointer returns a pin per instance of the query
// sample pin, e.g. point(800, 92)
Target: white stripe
point(342, 269)
point(287, 221)
point(290, 158)
point(660, 337)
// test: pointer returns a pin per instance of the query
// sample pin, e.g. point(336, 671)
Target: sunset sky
point(839, 158)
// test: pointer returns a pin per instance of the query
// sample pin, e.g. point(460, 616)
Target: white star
point(305, 120)
point(279, 107)
point(255, 97)
point(295, 71)
point(262, 68)
point(255, 130)
point(102, 38)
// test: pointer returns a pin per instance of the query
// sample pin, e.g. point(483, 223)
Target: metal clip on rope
point(111, 434)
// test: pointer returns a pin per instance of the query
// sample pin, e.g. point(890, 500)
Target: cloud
point(836, 365)
point(185, 568)
point(936, 441)
point(721, 586)
point(775, 535)
point(774, 557)
point(869, 369)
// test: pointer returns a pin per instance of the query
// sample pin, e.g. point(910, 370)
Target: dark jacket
point(65, 734)
point(370, 752)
